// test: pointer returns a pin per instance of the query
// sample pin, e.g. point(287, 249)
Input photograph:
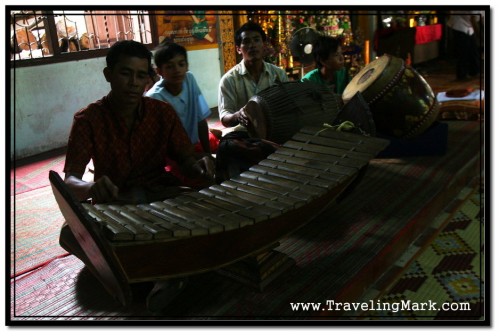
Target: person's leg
point(68, 241)
point(474, 59)
point(461, 44)
point(163, 293)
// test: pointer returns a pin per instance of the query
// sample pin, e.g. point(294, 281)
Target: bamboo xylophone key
point(315, 164)
point(297, 186)
point(257, 212)
point(144, 222)
point(308, 171)
point(247, 217)
point(293, 176)
point(169, 222)
point(225, 193)
point(196, 228)
point(215, 206)
point(375, 144)
point(344, 160)
point(337, 142)
point(154, 220)
point(261, 201)
point(327, 150)
point(292, 203)
point(202, 218)
point(139, 232)
point(228, 220)
point(113, 230)
point(277, 188)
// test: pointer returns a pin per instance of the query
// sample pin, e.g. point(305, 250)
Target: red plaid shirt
point(135, 157)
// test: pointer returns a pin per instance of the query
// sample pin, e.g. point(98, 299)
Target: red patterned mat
point(63, 288)
point(35, 224)
point(35, 175)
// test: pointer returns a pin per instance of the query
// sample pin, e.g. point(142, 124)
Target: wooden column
point(226, 45)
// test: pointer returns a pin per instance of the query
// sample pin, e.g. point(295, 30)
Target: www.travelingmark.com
point(371, 305)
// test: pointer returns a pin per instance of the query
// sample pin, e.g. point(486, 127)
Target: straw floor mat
point(447, 273)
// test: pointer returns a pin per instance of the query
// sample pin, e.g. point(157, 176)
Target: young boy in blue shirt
point(178, 87)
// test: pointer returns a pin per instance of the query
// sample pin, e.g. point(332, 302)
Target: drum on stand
point(278, 112)
point(401, 101)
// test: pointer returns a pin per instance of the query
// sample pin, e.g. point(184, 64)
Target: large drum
point(278, 112)
point(401, 102)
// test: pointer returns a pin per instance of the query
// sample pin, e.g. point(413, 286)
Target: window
point(55, 36)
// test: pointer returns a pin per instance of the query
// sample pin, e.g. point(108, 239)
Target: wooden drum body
point(401, 101)
point(279, 111)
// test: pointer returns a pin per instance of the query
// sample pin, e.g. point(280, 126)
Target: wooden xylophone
point(216, 226)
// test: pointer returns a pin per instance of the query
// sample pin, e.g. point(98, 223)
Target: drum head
point(366, 77)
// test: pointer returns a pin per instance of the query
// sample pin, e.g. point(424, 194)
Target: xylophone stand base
point(260, 270)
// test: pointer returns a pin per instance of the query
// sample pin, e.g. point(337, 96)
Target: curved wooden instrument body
point(217, 226)
point(280, 111)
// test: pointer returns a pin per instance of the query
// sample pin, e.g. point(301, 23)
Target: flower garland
point(332, 23)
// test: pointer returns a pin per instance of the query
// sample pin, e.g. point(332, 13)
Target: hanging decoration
point(280, 26)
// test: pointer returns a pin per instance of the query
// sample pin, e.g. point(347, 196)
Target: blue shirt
point(190, 105)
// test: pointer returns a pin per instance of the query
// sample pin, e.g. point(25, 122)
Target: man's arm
point(202, 165)
point(283, 76)
point(239, 117)
point(101, 191)
point(230, 115)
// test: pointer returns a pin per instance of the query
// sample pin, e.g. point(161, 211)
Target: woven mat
point(63, 288)
point(447, 270)
point(35, 175)
point(35, 224)
point(330, 252)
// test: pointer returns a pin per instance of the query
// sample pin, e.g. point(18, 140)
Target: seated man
point(330, 69)
point(248, 77)
point(128, 137)
point(236, 87)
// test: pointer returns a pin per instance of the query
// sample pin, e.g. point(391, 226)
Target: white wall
point(45, 98)
point(205, 65)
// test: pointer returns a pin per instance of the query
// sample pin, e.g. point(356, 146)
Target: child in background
point(178, 87)
point(330, 69)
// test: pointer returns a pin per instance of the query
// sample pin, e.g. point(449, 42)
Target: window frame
point(51, 31)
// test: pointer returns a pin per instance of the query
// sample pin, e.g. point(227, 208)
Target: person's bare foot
point(163, 293)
